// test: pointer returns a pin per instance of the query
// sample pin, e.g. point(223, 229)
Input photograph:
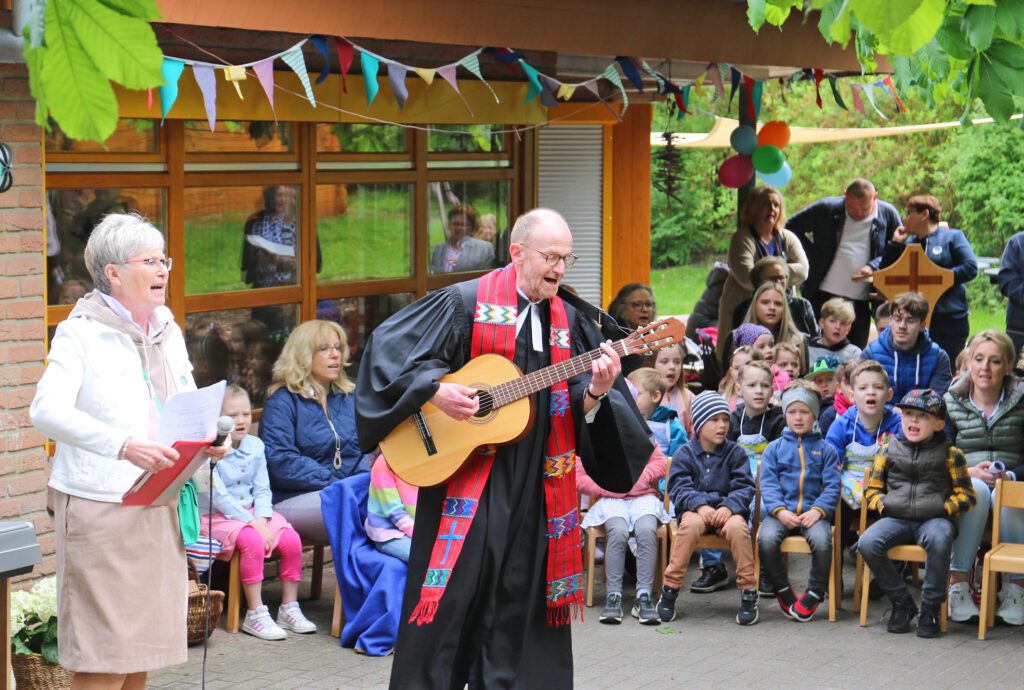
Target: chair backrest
point(1008, 495)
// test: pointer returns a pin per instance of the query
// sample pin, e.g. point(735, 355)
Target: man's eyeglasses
point(553, 259)
point(152, 263)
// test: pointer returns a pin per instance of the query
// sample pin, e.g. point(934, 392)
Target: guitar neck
point(510, 391)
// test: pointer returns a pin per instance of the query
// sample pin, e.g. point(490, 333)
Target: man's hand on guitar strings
point(604, 370)
point(458, 402)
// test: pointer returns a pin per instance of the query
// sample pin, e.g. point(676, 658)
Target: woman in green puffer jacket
point(986, 421)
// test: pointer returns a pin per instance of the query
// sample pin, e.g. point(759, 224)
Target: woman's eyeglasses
point(152, 263)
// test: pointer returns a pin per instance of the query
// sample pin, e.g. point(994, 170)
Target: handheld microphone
point(225, 425)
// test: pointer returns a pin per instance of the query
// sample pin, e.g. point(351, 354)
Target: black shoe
point(644, 610)
point(902, 615)
point(667, 604)
point(747, 615)
point(928, 621)
point(764, 588)
point(712, 579)
point(612, 611)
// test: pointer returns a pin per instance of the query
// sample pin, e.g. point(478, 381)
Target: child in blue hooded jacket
point(799, 488)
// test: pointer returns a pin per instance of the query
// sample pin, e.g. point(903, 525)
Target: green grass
point(677, 290)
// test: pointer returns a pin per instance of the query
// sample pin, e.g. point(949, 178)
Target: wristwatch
point(595, 397)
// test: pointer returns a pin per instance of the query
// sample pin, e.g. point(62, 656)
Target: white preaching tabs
point(192, 415)
point(533, 312)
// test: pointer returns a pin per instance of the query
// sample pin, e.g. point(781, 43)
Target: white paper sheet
point(192, 415)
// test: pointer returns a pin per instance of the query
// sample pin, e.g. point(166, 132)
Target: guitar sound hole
point(486, 410)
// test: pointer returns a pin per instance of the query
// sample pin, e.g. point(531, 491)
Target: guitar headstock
point(654, 336)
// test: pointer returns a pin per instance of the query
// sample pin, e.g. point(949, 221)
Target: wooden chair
point(1002, 557)
point(232, 613)
point(590, 549)
point(904, 552)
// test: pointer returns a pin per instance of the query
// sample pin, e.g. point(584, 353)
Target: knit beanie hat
point(747, 333)
point(801, 394)
point(705, 406)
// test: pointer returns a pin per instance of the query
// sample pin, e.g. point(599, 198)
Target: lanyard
point(337, 440)
point(743, 415)
point(856, 421)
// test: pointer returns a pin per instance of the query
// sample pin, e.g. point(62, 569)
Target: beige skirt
point(121, 586)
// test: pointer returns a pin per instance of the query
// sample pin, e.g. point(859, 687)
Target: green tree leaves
point(88, 44)
point(955, 49)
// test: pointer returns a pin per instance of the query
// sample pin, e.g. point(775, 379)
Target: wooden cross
point(914, 272)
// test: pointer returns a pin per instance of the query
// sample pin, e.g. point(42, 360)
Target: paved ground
point(702, 648)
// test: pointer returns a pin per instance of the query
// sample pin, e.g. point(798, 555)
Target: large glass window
point(357, 138)
point(239, 237)
point(365, 230)
point(238, 137)
point(130, 136)
point(468, 225)
point(72, 214)
point(358, 316)
point(465, 139)
point(239, 345)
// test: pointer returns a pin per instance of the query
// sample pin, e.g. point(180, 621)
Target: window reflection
point(71, 215)
point(468, 225)
point(465, 139)
point(230, 136)
point(358, 316)
point(365, 230)
point(131, 135)
point(238, 237)
point(239, 345)
point(360, 138)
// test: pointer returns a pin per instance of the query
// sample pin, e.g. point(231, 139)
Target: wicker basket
point(33, 672)
point(199, 619)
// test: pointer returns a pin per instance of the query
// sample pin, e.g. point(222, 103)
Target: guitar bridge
point(424, 431)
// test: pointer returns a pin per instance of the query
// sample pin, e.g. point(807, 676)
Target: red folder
point(161, 488)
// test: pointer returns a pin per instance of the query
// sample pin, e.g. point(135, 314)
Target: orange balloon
point(774, 133)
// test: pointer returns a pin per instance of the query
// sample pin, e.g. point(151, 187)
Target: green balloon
point(768, 159)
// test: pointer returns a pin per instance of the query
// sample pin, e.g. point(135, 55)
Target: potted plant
point(34, 638)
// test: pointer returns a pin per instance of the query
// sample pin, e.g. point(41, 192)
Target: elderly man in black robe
point(494, 625)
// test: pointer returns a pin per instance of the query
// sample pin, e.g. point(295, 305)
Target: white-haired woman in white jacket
point(111, 366)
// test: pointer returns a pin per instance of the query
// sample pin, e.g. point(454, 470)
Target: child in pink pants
point(243, 519)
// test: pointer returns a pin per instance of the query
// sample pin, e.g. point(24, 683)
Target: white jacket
point(92, 396)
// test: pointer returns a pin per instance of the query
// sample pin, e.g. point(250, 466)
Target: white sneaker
point(290, 617)
point(962, 608)
point(1011, 611)
point(259, 624)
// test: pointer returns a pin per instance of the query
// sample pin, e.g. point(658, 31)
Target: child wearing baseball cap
point(919, 485)
point(711, 487)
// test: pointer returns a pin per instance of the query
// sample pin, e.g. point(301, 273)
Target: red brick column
point(24, 467)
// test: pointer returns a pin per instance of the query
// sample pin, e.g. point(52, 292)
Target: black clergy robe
point(491, 628)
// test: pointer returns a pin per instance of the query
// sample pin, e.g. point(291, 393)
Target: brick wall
point(23, 461)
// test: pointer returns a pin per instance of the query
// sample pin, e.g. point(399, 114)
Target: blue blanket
point(372, 584)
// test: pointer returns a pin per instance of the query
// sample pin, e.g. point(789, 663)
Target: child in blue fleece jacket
point(800, 489)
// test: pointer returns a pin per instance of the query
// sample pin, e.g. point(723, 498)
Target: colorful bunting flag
point(819, 74)
point(172, 70)
point(612, 75)
point(716, 79)
point(425, 74)
point(293, 58)
point(345, 54)
point(396, 75)
point(370, 66)
point(320, 42)
point(208, 85)
point(551, 86)
point(835, 92)
point(565, 91)
point(472, 63)
point(734, 81)
point(531, 76)
point(857, 102)
point(869, 91)
point(265, 73)
point(887, 82)
point(448, 74)
point(235, 74)
point(629, 69)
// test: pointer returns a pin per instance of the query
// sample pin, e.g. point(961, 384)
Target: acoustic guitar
point(430, 446)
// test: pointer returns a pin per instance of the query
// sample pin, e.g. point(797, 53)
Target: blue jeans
point(399, 548)
point(819, 536)
point(935, 536)
point(972, 526)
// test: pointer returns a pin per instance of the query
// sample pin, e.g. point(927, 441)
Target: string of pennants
point(547, 88)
